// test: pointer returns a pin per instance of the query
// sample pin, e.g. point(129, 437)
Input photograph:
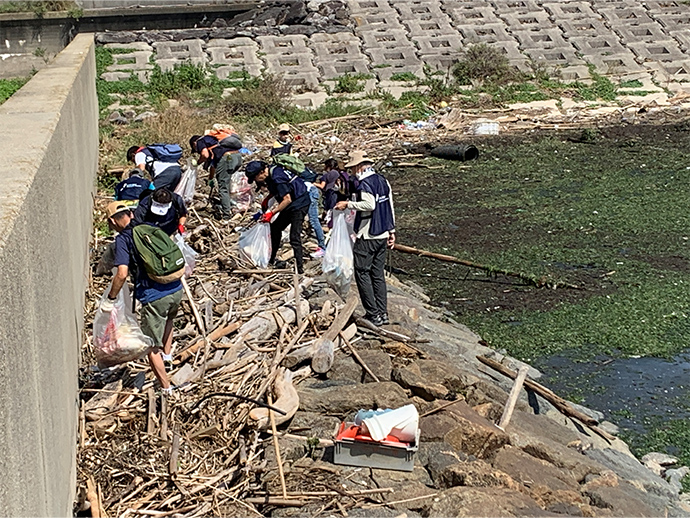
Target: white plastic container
point(485, 128)
point(401, 423)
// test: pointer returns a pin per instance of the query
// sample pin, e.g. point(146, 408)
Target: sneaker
point(319, 252)
point(168, 361)
point(384, 319)
point(167, 392)
point(376, 320)
point(280, 265)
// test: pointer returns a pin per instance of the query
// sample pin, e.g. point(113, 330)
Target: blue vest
point(131, 188)
point(382, 216)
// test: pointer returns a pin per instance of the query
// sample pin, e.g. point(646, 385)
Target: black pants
point(294, 218)
point(169, 178)
point(370, 261)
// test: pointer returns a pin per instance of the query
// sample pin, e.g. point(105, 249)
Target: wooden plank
point(513, 397)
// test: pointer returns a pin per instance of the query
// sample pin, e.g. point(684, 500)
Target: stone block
point(473, 15)
point(474, 435)
point(583, 27)
point(383, 39)
point(438, 44)
point(665, 51)
point(570, 10)
point(296, 69)
point(526, 469)
point(556, 56)
point(379, 362)
point(675, 22)
point(142, 75)
point(348, 399)
point(642, 33)
point(368, 6)
point(429, 28)
point(481, 501)
point(135, 45)
point(309, 100)
point(188, 49)
point(541, 38)
point(515, 6)
point(475, 473)
point(485, 33)
point(604, 45)
point(625, 14)
point(683, 38)
point(131, 62)
point(616, 64)
point(384, 20)
point(287, 44)
point(441, 62)
point(421, 10)
point(394, 61)
point(527, 20)
point(574, 73)
point(338, 54)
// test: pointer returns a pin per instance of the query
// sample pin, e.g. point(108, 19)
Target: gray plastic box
point(349, 452)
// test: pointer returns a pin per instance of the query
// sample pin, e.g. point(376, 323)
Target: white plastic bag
point(240, 191)
point(117, 337)
point(255, 244)
point(187, 183)
point(188, 253)
point(338, 261)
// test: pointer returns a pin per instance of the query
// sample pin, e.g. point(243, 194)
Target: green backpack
point(162, 258)
point(295, 165)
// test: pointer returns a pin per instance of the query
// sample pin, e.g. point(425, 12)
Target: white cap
point(160, 208)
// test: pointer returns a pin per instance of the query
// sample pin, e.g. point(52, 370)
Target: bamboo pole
point(279, 460)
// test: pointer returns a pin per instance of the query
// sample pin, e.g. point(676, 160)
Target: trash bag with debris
point(188, 253)
point(240, 191)
point(117, 337)
point(338, 261)
point(187, 183)
point(255, 244)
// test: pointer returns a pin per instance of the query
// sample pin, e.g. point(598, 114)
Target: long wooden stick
point(358, 357)
point(513, 397)
point(538, 282)
point(279, 460)
point(92, 497)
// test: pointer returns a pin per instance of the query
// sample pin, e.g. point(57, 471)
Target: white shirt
point(158, 167)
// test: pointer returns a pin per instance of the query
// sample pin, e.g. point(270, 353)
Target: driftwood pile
point(241, 343)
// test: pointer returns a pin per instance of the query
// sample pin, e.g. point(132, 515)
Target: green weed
point(350, 83)
point(9, 86)
point(404, 76)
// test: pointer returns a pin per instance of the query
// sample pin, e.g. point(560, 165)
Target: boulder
point(379, 362)
point(348, 399)
point(392, 478)
point(623, 500)
point(482, 501)
point(476, 473)
point(435, 456)
point(569, 503)
point(544, 439)
point(345, 368)
point(435, 427)
point(410, 377)
point(632, 470)
point(446, 374)
point(474, 435)
point(317, 425)
point(675, 476)
point(532, 472)
point(489, 411)
point(145, 115)
point(662, 459)
point(115, 37)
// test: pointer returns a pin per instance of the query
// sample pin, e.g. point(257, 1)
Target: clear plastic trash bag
point(255, 244)
point(240, 191)
point(188, 253)
point(187, 183)
point(338, 261)
point(117, 337)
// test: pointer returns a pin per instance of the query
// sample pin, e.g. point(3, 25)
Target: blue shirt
point(281, 182)
point(131, 188)
point(168, 222)
point(207, 141)
point(145, 289)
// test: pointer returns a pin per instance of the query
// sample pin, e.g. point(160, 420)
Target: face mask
point(367, 169)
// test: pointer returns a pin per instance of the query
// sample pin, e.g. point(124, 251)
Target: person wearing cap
point(164, 174)
point(222, 161)
point(133, 187)
point(375, 229)
point(293, 200)
point(283, 144)
point(160, 302)
point(163, 209)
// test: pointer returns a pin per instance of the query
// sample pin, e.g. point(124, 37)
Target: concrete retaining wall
point(49, 150)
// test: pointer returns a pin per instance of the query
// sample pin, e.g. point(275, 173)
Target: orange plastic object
point(353, 433)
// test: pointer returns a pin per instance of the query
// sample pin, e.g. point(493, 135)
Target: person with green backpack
point(157, 265)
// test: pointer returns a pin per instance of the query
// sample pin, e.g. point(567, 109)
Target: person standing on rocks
point(292, 196)
point(160, 302)
point(375, 229)
point(222, 161)
point(165, 174)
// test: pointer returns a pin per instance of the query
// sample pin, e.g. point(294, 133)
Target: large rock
point(531, 471)
point(435, 456)
point(379, 362)
point(632, 470)
point(623, 500)
point(345, 368)
point(482, 501)
point(544, 439)
point(476, 473)
point(446, 374)
point(346, 400)
point(569, 503)
point(435, 427)
point(312, 424)
point(411, 378)
point(474, 435)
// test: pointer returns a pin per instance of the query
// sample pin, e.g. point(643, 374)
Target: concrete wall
point(49, 150)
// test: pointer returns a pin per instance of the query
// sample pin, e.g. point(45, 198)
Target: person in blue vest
point(163, 209)
point(164, 174)
point(160, 302)
point(375, 229)
point(293, 200)
point(133, 187)
point(222, 161)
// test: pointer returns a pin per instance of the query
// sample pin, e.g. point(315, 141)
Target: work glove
point(180, 228)
point(211, 183)
point(266, 218)
point(107, 305)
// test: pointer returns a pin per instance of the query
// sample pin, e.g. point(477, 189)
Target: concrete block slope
point(45, 224)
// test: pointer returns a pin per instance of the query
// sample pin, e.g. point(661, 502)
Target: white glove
point(107, 305)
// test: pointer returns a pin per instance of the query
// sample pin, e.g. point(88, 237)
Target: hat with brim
point(160, 209)
point(116, 207)
point(358, 157)
point(284, 128)
point(252, 170)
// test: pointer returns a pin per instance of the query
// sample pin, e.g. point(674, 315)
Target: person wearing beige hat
point(282, 146)
point(160, 302)
point(375, 229)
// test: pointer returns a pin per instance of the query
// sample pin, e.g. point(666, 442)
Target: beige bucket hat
point(358, 157)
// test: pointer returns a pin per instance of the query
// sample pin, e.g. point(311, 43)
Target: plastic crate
point(372, 454)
